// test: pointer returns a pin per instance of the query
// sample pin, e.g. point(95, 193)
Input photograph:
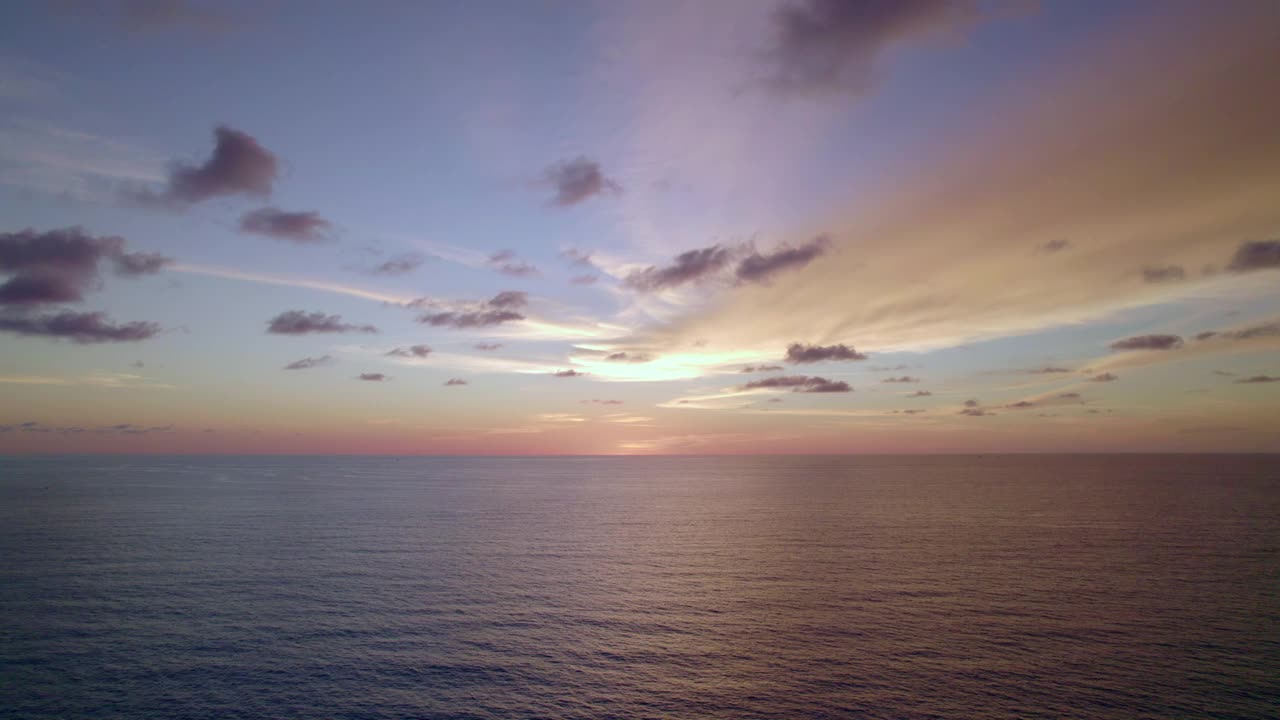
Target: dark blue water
point(876, 587)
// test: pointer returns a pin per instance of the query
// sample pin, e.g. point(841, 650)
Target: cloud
point(1105, 377)
point(1224, 373)
point(1069, 396)
point(374, 377)
point(509, 299)
point(298, 322)
point(578, 179)
point(486, 347)
point(1053, 246)
point(1148, 342)
point(1256, 255)
point(307, 363)
point(759, 268)
point(886, 368)
point(687, 267)
point(568, 373)
point(971, 403)
point(976, 412)
point(903, 379)
point(399, 265)
point(825, 46)
point(470, 319)
point(1164, 274)
point(238, 166)
point(61, 265)
point(920, 393)
point(628, 357)
point(140, 263)
point(1021, 405)
point(760, 368)
point(455, 381)
point(81, 328)
point(800, 383)
point(1049, 370)
point(1195, 184)
point(413, 351)
point(602, 402)
point(1258, 379)
point(799, 353)
point(506, 262)
point(587, 279)
point(299, 227)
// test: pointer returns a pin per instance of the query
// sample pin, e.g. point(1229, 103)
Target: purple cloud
point(80, 328)
point(469, 319)
point(309, 362)
point(455, 381)
point(399, 265)
point(920, 393)
point(760, 368)
point(487, 347)
point(58, 266)
point(238, 166)
point(1258, 379)
point(1148, 342)
point(374, 377)
point(578, 179)
point(903, 379)
point(413, 351)
point(506, 262)
point(688, 267)
point(299, 227)
point(1105, 377)
point(1256, 255)
point(568, 373)
point(757, 268)
point(800, 383)
point(297, 322)
point(799, 353)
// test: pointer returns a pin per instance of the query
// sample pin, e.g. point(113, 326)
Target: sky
point(659, 227)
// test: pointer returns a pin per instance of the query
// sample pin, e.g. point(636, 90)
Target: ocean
point(640, 587)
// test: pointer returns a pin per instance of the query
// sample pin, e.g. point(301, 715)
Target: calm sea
point(728, 587)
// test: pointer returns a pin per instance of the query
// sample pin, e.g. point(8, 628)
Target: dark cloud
point(971, 403)
point(297, 322)
point(885, 368)
point(506, 262)
point(1070, 396)
point(775, 399)
point(903, 379)
point(1021, 405)
point(413, 351)
point(602, 402)
point(578, 258)
point(1148, 342)
point(81, 328)
point(309, 362)
point(914, 411)
point(487, 346)
point(238, 166)
point(509, 299)
point(568, 373)
point(374, 377)
point(1054, 246)
point(1048, 370)
point(1105, 377)
point(1258, 379)
point(399, 265)
point(1205, 335)
point(131, 429)
point(1256, 255)
point(800, 383)
point(799, 353)
point(463, 320)
point(920, 393)
point(976, 412)
point(759, 268)
point(1265, 330)
point(628, 357)
point(824, 46)
point(686, 268)
point(587, 279)
point(61, 265)
point(299, 227)
point(760, 368)
point(455, 381)
point(140, 263)
point(578, 179)
point(1164, 274)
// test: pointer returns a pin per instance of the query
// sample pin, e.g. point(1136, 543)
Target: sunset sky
point(714, 226)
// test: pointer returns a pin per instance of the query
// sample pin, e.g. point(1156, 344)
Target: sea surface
point(688, 587)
